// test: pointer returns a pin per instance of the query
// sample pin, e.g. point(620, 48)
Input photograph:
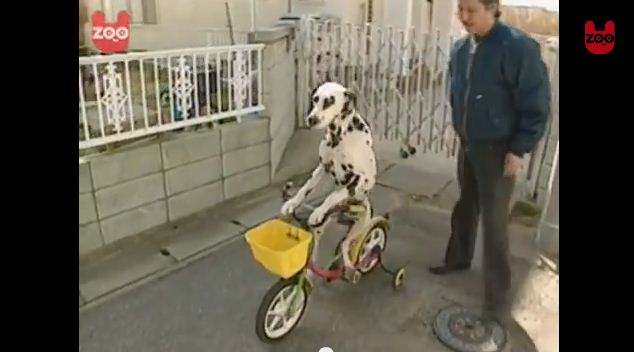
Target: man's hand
point(512, 165)
point(448, 135)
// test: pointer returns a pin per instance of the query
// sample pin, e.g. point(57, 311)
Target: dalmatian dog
point(345, 153)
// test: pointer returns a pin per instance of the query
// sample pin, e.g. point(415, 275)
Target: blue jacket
point(501, 92)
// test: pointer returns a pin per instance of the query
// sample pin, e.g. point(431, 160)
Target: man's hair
point(491, 4)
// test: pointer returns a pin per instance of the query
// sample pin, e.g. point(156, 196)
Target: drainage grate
point(463, 331)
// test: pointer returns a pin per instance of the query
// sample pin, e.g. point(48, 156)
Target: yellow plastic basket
point(279, 246)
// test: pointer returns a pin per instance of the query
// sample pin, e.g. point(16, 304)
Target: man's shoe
point(447, 269)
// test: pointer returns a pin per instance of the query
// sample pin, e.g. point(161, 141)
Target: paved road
point(211, 304)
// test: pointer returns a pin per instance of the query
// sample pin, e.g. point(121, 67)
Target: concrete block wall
point(134, 190)
point(89, 230)
point(279, 86)
point(245, 158)
point(193, 173)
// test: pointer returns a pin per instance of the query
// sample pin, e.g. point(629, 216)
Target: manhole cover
point(464, 331)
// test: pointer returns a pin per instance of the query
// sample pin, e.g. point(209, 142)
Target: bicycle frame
point(313, 267)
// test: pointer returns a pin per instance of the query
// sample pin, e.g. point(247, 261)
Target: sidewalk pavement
point(194, 286)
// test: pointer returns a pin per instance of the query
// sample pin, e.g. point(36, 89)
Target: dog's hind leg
point(356, 233)
point(317, 233)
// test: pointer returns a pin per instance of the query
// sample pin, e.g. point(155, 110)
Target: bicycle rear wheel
point(377, 236)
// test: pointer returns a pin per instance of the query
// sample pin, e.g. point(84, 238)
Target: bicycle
point(284, 246)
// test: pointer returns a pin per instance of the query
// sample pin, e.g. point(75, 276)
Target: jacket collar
point(491, 34)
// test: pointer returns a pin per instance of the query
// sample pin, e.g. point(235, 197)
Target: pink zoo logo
point(111, 37)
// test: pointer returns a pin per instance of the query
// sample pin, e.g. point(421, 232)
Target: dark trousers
point(485, 192)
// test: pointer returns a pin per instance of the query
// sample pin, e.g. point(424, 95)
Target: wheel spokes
point(277, 319)
point(374, 238)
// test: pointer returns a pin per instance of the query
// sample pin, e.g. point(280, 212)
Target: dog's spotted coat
point(345, 153)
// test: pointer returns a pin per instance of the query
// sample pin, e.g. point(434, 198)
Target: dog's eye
point(315, 100)
point(328, 102)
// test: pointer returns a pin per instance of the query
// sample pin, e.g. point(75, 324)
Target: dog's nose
point(312, 121)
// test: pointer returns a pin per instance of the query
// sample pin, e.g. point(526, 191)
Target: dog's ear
point(349, 103)
point(351, 96)
point(311, 104)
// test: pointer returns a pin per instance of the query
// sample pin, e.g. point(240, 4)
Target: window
point(141, 11)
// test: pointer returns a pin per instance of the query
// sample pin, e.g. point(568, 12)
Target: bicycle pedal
point(351, 275)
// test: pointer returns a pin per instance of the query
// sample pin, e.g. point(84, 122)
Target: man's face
point(475, 17)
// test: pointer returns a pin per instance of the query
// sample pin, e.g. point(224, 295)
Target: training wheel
point(404, 153)
point(464, 331)
point(399, 277)
point(411, 150)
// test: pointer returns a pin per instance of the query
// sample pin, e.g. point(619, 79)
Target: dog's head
point(329, 101)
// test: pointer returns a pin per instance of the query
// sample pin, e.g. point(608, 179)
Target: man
point(500, 96)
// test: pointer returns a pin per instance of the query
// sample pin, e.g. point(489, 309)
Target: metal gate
point(399, 77)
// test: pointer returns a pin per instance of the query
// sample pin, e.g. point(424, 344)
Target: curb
point(158, 241)
point(138, 282)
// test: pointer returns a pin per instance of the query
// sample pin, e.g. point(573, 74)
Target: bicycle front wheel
point(281, 310)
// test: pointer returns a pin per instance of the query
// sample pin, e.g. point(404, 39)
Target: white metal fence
point(139, 94)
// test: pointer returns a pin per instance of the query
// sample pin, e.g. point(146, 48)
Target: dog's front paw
point(289, 206)
point(317, 217)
